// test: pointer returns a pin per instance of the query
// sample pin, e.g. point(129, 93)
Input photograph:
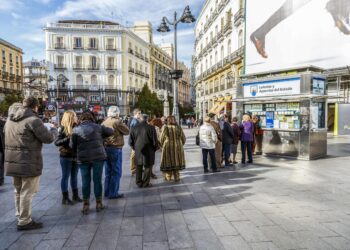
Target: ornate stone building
point(35, 79)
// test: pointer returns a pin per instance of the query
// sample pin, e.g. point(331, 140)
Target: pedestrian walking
point(227, 139)
point(236, 135)
point(67, 158)
point(114, 149)
point(2, 151)
point(218, 144)
point(208, 140)
point(172, 139)
point(24, 135)
point(133, 122)
point(143, 140)
point(87, 144)
point(247, 137)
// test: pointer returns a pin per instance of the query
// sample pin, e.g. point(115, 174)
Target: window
point(222, 55)
point(211, 61)
point(80, 80)
point(3, 55)
point(111, 79)
point(60, 61)
point(110, 43)
point(216, 57)
point(17, 72)
point(59, 42)
point(240, 38)
point(93, 80)
point(94, 98)
point(93, 62)
point(216, 30)
point(78, 62)
point(16, 59)
point(93, 43)
point(111, 98)
point(110, 63)
point(10, 58)
point(77, 42)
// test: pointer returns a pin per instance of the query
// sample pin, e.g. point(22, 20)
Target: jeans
point(246, 146)
point(113, 171)
point(25, 189)
point(85, 170)
point(69, 169)
point(211, 152)
point(227, 153)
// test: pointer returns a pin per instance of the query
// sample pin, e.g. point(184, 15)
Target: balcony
point(59, 46)
point(93, 47)
point(137, 54)
point(110, 47)
point(94, 67)
point(131, 70)
point(239, 17)
point(111, 67)
point(11, 62)
point(77, 46)
point(12, 77)
point(147, 76)
point(228, 27)
point(60, 66)
point(130, 51)
point(220, 35)
point(216, 89)
point(18, 78)
point(221, 6)
point(3, 59)
point(78, 67)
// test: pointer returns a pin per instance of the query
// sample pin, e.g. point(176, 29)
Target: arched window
point(111, 79)
point(222, 55)
point(80, 80)
point(93, 80)
point(229, 47)
point(240, 38)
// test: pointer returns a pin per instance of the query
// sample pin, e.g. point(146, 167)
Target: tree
point(149, 103)
point(8, 101)
point(186, 110)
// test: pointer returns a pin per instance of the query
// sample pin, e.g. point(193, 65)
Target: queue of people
point(220, 140)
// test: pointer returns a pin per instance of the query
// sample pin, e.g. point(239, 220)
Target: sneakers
point(30, 226)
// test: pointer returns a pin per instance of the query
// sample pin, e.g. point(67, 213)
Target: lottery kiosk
point(291, 105)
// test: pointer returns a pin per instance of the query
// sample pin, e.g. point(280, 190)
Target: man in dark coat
point(143, 140)
point(25, 134)
point(2, 151)
point(227, 140)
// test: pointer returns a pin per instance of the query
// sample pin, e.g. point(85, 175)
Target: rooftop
point(6, 43)
point(88, 22)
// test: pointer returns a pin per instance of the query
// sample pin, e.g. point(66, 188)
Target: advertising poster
point(269, 119)
point(285, 34)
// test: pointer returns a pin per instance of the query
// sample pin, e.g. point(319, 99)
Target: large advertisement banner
point(283, 34)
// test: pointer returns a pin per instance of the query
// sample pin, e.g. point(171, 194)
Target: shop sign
point(283, 87)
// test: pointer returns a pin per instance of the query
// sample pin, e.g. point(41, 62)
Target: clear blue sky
point(21, 21)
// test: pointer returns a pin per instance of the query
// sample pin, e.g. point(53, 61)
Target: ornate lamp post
point(176, 74)
point(59, 81)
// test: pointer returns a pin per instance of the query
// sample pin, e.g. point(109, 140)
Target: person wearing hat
point(218, 144)
point(207, 141)
point(143, 140)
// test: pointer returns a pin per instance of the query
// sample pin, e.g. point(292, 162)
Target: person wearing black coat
point(87, 144)
point(143, 140)
point(227, 139)
point(2, 151)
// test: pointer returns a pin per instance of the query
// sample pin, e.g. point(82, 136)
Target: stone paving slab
point(273, 204)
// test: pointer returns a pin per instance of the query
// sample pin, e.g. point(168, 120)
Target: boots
point(99, 205)
point(177, 175)
point(86, 207)
point(65, 199)
point(76, 197)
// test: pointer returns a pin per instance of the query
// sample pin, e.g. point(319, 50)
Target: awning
point(228, 98)
point(220, 108)
point(216, 105)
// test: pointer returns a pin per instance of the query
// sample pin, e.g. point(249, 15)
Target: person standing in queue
point(133, 122)
point(143, 140)
point(218, 143)
point(247, 137)
point(114, 149)
point(87, 144)
point(67, 158)
point(25, 134)
point(227, 139)
point(236, 135)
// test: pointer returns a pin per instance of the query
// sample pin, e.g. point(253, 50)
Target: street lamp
point(59, 80)
point(176, 74)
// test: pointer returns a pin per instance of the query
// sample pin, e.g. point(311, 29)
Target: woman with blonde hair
point(67, 157)
point(172, 139)
point(247, 138)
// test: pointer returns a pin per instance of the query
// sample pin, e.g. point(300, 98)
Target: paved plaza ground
point(273, 204)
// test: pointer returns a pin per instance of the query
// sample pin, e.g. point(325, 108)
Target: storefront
point(292, 110)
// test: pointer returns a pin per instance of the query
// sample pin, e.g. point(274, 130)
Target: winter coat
point(218, 130)
point(207, 136)
point(236, 133)
point(24, 135)
point(120, 130)
point(172, 139)
point(143, 140)
point(247, 131)
point(62, 142)
point(87, 142)
point(227, 134)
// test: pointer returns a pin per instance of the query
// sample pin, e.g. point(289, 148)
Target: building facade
point(218, 60)
point(11, 69)
point(35, 79)
point(184, 87)
point(105, 63)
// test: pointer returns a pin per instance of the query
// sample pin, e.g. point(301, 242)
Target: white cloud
point(9, 5)
point(35, 37)
point(44, 1)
